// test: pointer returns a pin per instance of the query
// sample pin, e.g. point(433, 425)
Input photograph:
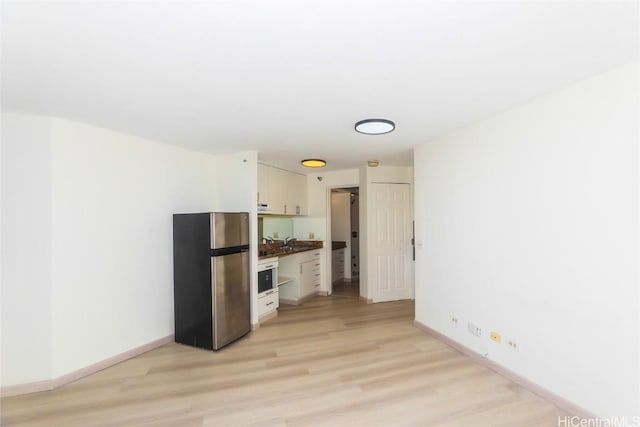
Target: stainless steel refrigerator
point(211, 278)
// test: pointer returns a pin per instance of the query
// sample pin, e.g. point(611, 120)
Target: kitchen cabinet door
point(278, 191)
point(304, 269)
point(267, 302)
point(263, 184)
point(300, 194)
point(285, 192)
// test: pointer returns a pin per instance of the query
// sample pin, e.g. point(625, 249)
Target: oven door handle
point(266, 267)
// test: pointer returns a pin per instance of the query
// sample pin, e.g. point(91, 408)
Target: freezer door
point(229, 229)
point(230, 291)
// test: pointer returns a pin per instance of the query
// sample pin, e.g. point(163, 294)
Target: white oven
point(267, 274)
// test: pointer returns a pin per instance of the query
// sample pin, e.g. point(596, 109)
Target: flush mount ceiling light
point(314, 163)
point(375, 126)
point(373, 163)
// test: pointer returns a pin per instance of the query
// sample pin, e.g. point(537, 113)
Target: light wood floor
point(333, 361)
point(343, 288)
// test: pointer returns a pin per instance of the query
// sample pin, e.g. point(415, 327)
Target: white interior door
point(393, 270)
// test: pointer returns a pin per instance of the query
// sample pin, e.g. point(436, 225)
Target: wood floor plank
point(331, 361)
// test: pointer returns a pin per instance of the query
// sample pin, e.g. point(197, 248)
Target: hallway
point(344, 288)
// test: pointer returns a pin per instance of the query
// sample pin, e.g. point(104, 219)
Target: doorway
point(345, 240)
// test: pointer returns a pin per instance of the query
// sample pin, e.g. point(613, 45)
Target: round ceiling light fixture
point(314, 163)
point(375, 126)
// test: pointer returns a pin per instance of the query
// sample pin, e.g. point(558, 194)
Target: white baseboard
point(18, 389)
point(547, 395)
point(299, 301)
point(367, 300)
point(268, 316)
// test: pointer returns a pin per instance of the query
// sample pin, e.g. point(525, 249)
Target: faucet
point(288, 243)
point(268, 239)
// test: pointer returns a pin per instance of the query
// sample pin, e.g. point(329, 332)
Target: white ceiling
point(289, 78)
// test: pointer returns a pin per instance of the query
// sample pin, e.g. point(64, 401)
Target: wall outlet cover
point(513, 345)
point(496, 337)
point(474, 330)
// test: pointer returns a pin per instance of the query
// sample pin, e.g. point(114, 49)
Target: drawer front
point(316, 273)
point(316, 279)
point(309, 256)
point(267, 303)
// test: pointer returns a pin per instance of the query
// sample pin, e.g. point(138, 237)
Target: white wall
point(310, 228)
point(318, 191)
point(26, 249)
point(113, 200)
point(364, 238)
point(87, 231)
point(341, 225)
point(1, 247)
point(319, 199)
point(529, 222)
point(236, 184)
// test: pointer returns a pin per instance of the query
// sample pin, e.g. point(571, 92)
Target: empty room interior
point(321, 213)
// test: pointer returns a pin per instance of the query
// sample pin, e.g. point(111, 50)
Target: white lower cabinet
point(268, 302)
point(337, 265)
point(304, 270)
point(310, 277)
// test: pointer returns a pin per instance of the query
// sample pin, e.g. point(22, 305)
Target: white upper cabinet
point(284, 192)
point(300, 195)
point(263, 186)
point(277, 190)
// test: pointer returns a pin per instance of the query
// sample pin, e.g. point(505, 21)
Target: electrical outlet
point(513, 345)
point(474, 330)
point(496, 337)
point(276, 235)
point(454, 320)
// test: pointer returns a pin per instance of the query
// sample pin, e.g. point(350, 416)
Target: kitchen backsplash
point(277, 228)
point(309, 228)
point(300, 228)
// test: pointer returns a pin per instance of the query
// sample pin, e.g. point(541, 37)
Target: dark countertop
point(338, 245)
point(268, 250)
